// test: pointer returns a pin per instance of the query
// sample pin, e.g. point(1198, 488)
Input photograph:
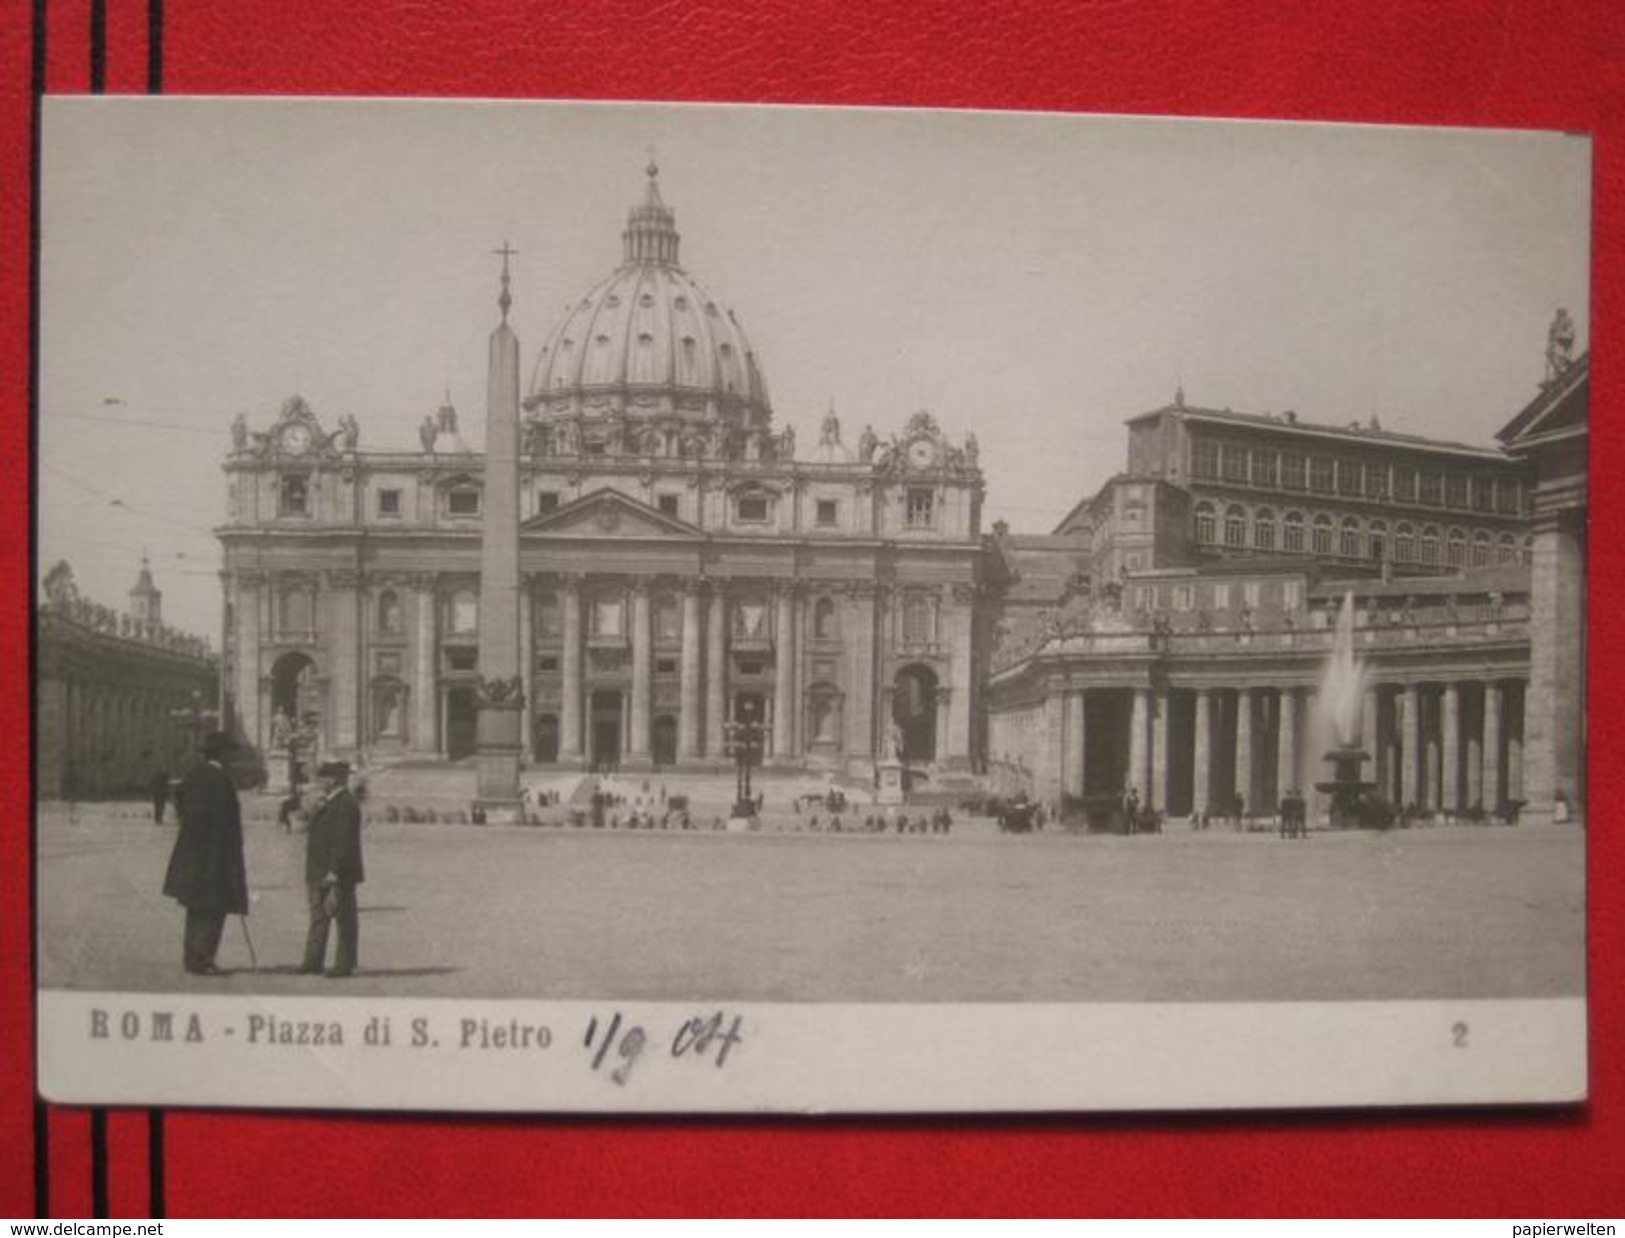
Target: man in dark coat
point(332, 872)
point(206, 871)
point(159, 787)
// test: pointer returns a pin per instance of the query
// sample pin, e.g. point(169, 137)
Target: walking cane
point(253, 961)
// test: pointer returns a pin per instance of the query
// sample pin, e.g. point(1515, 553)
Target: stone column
point(716, 672)
point(1472, 731)
point(1050, 774)
point(344, 626)
point(1492, 748)
point(1139, 732)
point(859, 634)
point(1513, 719)
point(688, 722)
point(1202, 752)
point(959, 632)
point(1072, 772)
point(572, 751)
point(1450, 748)
point(246, 688)
point(1288, 766)
point(784, 673)
point(637, 739)
point(1368, 724)
point(1410, 729)
point(1244, 749)
point(527, 662)
point(1156, 795)
point(425, 680)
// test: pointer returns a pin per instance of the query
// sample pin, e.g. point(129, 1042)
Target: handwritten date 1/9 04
point(621, 1044)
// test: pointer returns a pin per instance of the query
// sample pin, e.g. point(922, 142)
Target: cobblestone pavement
point(556, 913)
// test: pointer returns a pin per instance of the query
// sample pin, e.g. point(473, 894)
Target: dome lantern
point(651, 228)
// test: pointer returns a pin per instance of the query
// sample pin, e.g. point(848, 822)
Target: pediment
point(609, 513)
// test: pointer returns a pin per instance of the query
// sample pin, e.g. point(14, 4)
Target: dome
point(649, 340)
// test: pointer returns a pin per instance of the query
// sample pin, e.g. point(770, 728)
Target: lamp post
point(743, 741)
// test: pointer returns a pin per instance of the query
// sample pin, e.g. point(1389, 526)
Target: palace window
point(1235, 464)
point(549, 617)
point(296, 611)
point(1350, 476)
point(827, 513)
point(293, 495)
point(1405, 483)
point(1292, 474)
point(1430, 546)
point(1292, 533)
point(1321, 536)
point(751, 509)
point(1348, 544)
point(918, 620)
point(463, 612)
point(1204, 460)
point(824, 627)
point(389, 503)
point(1221, 597)
point(546, 501)
point(1458, 548)
point(1507, 551)
point(1235, 527)
point(1377, 539)
point(1481, 549)
point(1249, 593)
point(1483, 493)
point(1184, 597)
point(668, 619)
point(1207, 532)
point(608, 617)
point(1455, 489)
point(464, 501)
point(1508, 497)
point(667, 504)
point(389, 613)
point(1264, 468)
point(1376, 481)
point(1404, 543)
point(1432, 489)
point(1291, 594)
point(1145, 597)
point(1264, 529)
point(1320, 474)
point(919, 508)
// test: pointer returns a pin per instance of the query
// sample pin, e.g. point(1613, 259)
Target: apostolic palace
point(685, 562)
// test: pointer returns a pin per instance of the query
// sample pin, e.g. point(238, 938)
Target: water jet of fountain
point(1342, 697)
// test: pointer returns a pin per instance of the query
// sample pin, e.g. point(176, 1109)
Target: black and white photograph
point(570, 607)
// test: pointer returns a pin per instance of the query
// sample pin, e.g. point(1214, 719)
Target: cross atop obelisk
point(504, 301)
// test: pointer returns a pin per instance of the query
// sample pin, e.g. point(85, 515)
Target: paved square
point(977, 916)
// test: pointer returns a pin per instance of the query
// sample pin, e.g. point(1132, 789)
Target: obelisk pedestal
point(498, 728)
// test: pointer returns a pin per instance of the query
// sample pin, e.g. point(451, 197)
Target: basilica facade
point(684, 563)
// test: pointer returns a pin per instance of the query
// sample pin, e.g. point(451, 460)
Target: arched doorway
point(664, 740)
point(547, 739)
point(293, 698)
point(914, 710)
point(460, 715)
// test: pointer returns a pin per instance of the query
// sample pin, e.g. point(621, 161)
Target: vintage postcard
point(555, 607)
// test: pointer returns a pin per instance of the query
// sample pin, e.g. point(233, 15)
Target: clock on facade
point(296, 439)
point(922, 453)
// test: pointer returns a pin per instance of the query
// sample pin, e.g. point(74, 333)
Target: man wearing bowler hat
point(332, 871)
point(206, 872)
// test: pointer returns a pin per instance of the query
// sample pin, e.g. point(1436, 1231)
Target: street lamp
point(744, 740)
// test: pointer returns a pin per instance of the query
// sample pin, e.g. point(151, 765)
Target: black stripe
point(155, 47)
point(155, 1163)
point(98, 1163)
point(98, 46)
point(42, 1163)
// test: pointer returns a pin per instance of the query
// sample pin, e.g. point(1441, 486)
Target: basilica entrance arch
point(914, 709)
point(461, 712)
point(293, 688)
point(606, 730)
point(547, 739)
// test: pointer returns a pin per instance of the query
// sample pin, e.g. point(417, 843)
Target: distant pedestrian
point(206, 873)
point(159, 786)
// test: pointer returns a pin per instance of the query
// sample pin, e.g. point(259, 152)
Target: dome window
point(646, 300)
point(680, 303)
point(613, 301)
point(601, 340)
point(727, 350)
point(645, 338)
point(568, 342)
point(711, 308)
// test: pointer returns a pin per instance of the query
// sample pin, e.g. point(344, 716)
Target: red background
point(1546, 65)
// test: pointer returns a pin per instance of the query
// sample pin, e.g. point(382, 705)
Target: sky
point(1036, 279)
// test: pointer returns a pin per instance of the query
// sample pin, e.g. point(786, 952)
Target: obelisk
point(498, 729)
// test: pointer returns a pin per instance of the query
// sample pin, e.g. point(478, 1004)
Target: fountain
point(1342, 694)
